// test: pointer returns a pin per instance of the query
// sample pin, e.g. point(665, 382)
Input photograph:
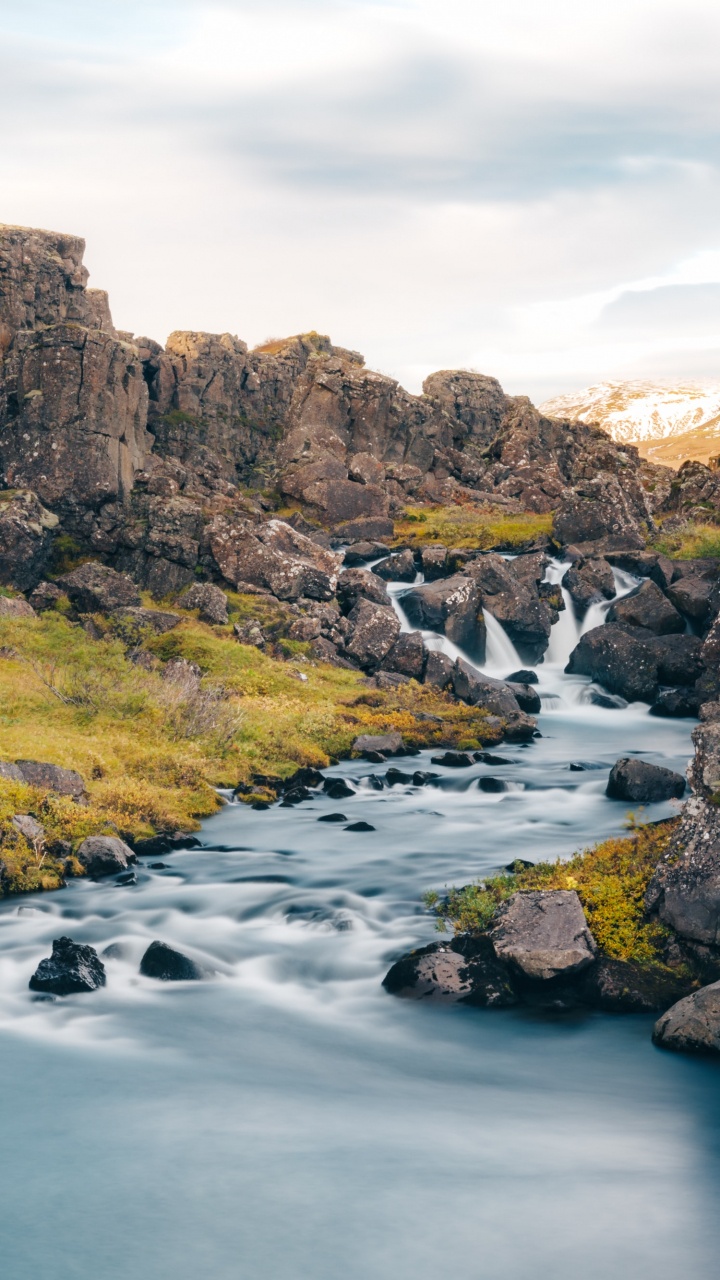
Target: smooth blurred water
point(288, 1120)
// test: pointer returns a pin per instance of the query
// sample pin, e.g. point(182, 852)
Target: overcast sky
point(530, 188)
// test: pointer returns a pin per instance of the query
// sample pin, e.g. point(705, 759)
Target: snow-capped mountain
point(668, 422)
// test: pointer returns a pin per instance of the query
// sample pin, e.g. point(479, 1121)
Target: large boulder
point(543, 933)
point(588, 581)
point(209, 600)
point(104, 856)
point(452, 606)
point(96, 588)
point(697, 597)
point(513, 600)
point(273, 556)
point(464, 971)
point(399, 567)
point(386, 744)
point(26, 538)
point(479, 690)
point(407, 656)
point(624, 663)
point(438, 670)
point(693, 1024)
point(679, 658)
point(434, 561)
point(374, 629)
point(356, 584)
point(72, 968)
point(647, 607)
point(51, 777)
point(643, 783)
point(132, 621)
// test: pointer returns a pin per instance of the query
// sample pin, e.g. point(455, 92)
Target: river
point(288, 1120)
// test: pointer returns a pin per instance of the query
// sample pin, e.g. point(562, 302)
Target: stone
point(96, 588)
point(639, 782)
point(524, 676)
point(434, 562)
point(356, 584)
point(621, 661)
point(50, 777)
point(680, 703)
point(250, 633)
point(387, 744)
point(28, 827)
point(644, 564)
point(45, 596)
point(479, 690)
point(72, 968)
point(646, 606)
point(360, 826)
point(26, 538)
point(543, 933)
point(453, 760)
point(693, 1024)
point(407, 656)
point(371, 529)
point(450, 606)
point(514, 602)
point(337, 789)
point(693, 596)
point(363, 468)
point(679, 658)
point(399, 567)
point(273, 556)
point(15, 608)
point(527, 698)
point(104, 855)
point(624, 986)
point(209, 600)
point(134, 620)
point(438, 670)
point(464, 971)
point(374, 630)
point(332, 817)
point(167, 965)
point(183, 673)
point(598, 508)
point(359, 553)
point(589, 581)
point(305, 629)
point(10, 772)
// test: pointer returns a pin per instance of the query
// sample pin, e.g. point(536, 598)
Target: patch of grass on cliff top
point(470, 528)
point(610, 879)
point(692, 541)
point(151, 752)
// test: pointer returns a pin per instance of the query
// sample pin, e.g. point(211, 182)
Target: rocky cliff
point(137, 450)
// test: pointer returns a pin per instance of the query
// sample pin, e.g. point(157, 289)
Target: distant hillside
point(668, 423)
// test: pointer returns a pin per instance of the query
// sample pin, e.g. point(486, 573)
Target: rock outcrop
point(544, 934)
point(72, 968)
point(693, 1024)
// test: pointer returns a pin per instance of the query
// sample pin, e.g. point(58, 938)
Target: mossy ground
point(689, 542)
point(610, 879)
point(151, 753)
point(469, 527)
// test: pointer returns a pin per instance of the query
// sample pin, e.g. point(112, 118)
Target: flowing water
point(287, 1120)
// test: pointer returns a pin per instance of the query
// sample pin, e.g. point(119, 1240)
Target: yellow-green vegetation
point(152, 750)
point(689, 542)
point(610, 879)
point(469, 527)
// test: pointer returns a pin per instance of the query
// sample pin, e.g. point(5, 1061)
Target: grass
point(610, 879)
point(692, 541)
point(469, 528)
point(152, 752)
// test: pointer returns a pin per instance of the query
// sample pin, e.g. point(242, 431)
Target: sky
point(527, 189)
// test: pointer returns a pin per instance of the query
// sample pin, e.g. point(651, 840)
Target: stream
point(288, 1120)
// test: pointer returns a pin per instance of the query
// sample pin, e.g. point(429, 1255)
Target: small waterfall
point(501, 656)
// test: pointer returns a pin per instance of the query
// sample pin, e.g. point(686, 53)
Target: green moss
point(470, 528)
point(610, 879)
point(692, 541)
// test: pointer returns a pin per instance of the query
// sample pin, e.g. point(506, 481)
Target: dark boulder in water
point(464, 971)
point(333, 817)
point(528, 699)
point(641, 782)
point(72, 967)
point(676, 702)
point(692, 1025)
point(621, 659)
point(163, 962)
point(523, 676)
point(104, 855)
point(337, 789)
point(453, 760)
point(360, 826)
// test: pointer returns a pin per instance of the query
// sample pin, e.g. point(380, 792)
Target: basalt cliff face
point(140, 453)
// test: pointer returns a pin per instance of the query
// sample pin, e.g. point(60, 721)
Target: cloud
point(503, 185)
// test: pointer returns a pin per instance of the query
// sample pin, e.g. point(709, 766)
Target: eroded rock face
point(693, 1024)
point(26, 536)
point(72, 968)
point(543, 933)
point(598, 508)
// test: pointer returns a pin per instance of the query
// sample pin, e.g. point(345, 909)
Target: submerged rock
point(693, 1024)
point(73, 967)
point(641, 782)
point(543, 933)
point(163, 962)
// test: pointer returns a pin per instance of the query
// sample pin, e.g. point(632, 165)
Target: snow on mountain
point(638, 411)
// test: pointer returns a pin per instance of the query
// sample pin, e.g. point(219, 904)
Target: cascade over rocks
point(589, 581)
point(451, 606)
point(623, 662)
point(514, 602)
